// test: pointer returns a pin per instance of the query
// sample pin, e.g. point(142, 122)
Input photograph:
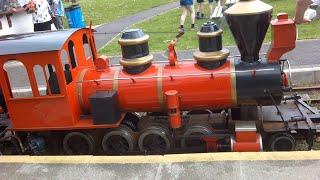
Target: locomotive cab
point(38, 76)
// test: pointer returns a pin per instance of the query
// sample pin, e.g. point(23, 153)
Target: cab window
point(18, 79)
point(40, 79)
point(72, 54)
point(66, 66)
point(52, 79)
point(87, 48)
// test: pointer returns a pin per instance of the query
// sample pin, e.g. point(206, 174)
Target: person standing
point(57, 12)
point(7, 8)
point(10, 6)
point(41, 17)
point(200, 10)
point(221, 2)
point(301, 7)
point(22, 20)
point(186, 6)
point(16, 16)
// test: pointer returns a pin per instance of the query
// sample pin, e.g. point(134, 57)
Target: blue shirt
point(186, 2)
point(59, 11)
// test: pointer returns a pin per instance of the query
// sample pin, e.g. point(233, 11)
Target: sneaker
point(198, 15)
point(181, 30)
point(194, 27)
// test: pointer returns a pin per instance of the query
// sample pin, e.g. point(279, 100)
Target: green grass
point(169, 22)
point(104, 11)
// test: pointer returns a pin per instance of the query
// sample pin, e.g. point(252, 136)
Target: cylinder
point(211, 54)
point(146, 92)
point(230, 85)
point(173, 108)
point(135, 51)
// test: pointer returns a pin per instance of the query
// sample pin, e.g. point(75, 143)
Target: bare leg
point(210, 8)
point(301, 7)
point(202, 7)
point(192, 14)
point(222, 2)
point(183, 16)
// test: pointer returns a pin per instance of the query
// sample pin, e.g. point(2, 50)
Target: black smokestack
point(248, 21)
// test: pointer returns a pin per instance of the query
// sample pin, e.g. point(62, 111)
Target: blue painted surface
point(75, 16)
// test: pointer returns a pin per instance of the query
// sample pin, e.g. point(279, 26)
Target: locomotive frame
point(84, 104)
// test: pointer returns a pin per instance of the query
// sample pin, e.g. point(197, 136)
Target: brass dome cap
point(248, 7)
point(209, 34)
point(129, 42)
point(137, 61)
point(211, 56)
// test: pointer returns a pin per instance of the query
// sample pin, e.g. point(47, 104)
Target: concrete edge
point(176, 158)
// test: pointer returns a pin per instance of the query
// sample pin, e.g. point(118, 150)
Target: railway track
point(306, 88)
point(312, 91)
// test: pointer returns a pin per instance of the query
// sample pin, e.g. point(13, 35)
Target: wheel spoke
point(155, 143)
point(78, 143)
point(118, 142)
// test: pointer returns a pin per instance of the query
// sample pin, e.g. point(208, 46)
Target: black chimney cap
point(209, 27)
point(132, 34)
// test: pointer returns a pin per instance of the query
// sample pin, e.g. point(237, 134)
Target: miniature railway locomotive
point(74, 102)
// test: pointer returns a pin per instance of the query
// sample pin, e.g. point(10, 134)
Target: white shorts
point(190, 8)
point(316, 2)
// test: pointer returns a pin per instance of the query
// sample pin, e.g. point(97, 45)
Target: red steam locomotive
point(73, 101)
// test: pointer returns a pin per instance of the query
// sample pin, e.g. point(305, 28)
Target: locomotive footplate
point(293, 114)
point(293, 117)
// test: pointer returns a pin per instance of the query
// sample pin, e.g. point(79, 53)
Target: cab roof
point(34, 42)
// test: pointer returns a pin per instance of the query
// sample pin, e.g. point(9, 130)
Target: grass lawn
point(103, 11)
point(169, 22)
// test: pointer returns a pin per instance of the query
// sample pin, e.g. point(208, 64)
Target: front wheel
point(281, 142)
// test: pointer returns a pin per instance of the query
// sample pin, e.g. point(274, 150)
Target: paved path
point(242, 166)
point(237, 170)
point(121, 24)
point(306, 53)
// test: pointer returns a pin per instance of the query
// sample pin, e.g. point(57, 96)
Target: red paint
point(285, 80)
point(211, 143)
point(247, 141)
point(198, 88)
point(283, 37)
point(172, 55)
point(173, 108)
point(52, 111)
